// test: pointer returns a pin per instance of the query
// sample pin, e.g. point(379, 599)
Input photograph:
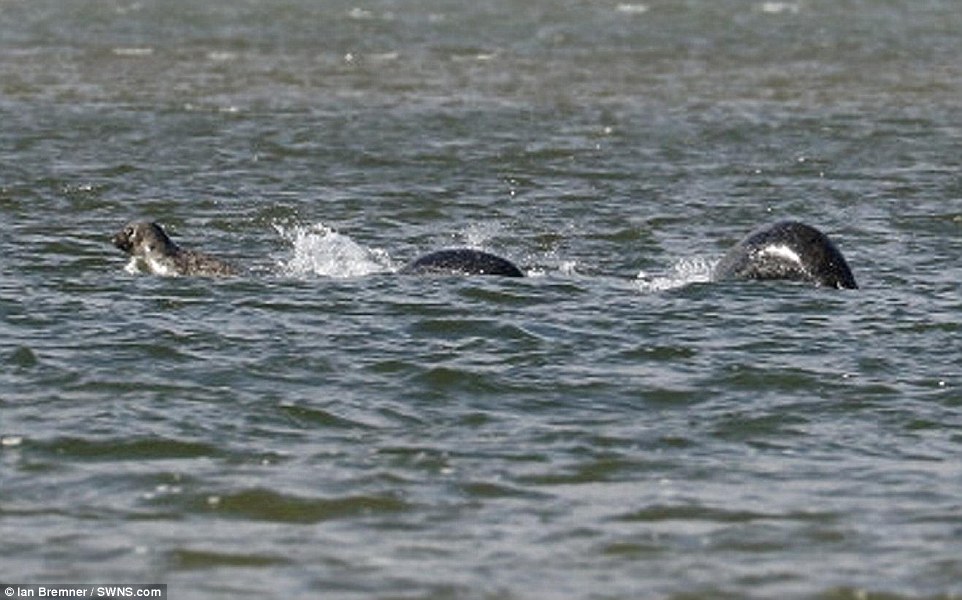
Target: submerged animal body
point(787, 250)
point(154, 252)
point(462, 261)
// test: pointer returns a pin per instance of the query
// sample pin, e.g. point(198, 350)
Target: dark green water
point(611, 427)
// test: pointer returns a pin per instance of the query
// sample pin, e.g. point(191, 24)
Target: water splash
point(477, 235)
point(319, 250)
point(567, 268)
point(686, 271)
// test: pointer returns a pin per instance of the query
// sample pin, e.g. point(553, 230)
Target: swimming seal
point(462, 261)
point(787, 250)
point(153, 251)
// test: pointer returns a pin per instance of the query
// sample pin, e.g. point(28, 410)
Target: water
point(611, 427)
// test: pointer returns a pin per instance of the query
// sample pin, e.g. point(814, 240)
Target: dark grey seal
point(787, 250)
point(462, 261)
point(154, 252)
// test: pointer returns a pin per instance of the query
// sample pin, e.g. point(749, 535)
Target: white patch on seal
point(159, 267)
point(781, 251)
point(138, 265)
point(133, 266)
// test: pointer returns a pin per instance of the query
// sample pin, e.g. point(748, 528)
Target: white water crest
point(319, 250)
point(696, 269)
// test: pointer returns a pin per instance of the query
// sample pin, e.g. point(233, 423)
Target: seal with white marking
point(787, 250)
point(152, 251)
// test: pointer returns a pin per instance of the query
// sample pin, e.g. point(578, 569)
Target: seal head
point(462, 261)
point(152, 250)
point(787, 250)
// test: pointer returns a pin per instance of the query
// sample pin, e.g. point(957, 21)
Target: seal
point(787, 250)
point(462, 261)
point(154, 252)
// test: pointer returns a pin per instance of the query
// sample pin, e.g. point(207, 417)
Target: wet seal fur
point(787, 250)
point(462, 261)
point(153, 251)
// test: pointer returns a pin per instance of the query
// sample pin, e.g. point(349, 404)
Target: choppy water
point(611, 427)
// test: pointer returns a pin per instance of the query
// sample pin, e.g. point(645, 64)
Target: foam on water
point(778, 8)
point(631, 8)
point(695, 269)
point(319, 250)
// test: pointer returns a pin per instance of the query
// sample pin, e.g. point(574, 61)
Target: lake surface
point(612, 426)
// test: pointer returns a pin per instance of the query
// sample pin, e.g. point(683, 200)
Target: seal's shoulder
point(192, 263)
